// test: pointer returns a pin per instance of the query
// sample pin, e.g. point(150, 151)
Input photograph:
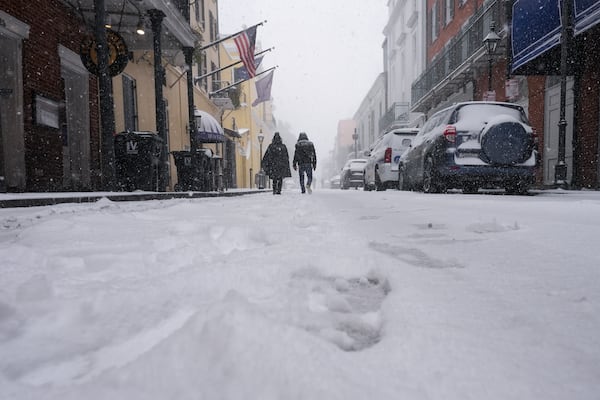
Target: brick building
point(457, 69)
point(50, 137)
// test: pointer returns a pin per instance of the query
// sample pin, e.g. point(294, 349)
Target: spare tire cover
point(506, 143)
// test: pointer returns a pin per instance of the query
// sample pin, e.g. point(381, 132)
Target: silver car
point(381, 170)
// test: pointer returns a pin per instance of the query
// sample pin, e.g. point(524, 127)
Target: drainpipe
point(156, 17)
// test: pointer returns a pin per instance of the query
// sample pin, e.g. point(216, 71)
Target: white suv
point(381, 170)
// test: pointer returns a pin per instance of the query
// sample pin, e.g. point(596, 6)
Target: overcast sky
point(328, 52)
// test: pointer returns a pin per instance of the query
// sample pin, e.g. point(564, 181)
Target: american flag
point(245, 42)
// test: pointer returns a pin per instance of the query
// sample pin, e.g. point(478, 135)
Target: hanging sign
point(118, 55)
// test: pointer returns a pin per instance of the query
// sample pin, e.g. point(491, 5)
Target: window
point(200, 16)
point(130, 103)
point(434, 22)
point(212, 26)
point(449, 11)
point(204, 67)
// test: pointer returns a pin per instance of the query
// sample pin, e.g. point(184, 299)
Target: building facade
point(58, 118)
point(48, 100)
point(404, 59)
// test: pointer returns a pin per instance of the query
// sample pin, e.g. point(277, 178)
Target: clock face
point(117, 53)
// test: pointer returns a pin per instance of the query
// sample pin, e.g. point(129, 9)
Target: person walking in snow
point(305, 160)
point(276, 163)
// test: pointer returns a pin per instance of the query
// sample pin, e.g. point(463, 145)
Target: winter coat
point(276, 161)
point(305, 151)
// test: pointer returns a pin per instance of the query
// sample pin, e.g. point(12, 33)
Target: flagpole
point(230, 36)
point(242, 81)
point(196, 79)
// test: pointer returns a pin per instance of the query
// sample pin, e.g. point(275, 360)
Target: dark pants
point(305, 169)
point(277, 183)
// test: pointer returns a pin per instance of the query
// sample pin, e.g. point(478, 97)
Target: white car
point(353, 173)
point(381, 170)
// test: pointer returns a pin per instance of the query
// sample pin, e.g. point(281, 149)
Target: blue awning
point(587, 14)
point(208, 130)
point(536, 31)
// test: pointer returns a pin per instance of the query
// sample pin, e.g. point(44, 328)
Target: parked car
point(381, 171)
point(469, 146)
point(334, 182)
point(353, 173)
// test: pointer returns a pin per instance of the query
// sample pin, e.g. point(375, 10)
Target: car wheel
point(431, 182)
point(379, 186)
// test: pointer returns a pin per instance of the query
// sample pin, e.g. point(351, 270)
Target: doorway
point(551, 119)
point(76, 124)
point(12, 142)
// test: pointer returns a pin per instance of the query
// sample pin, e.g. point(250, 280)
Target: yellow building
point(134, 89)
point(250, 122)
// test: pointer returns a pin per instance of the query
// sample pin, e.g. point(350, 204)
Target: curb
point(52, 200)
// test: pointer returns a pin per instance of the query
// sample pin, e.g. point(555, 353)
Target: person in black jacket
point(276, 163)
point(305, 158)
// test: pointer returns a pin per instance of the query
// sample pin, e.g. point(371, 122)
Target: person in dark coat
point(305, 158)
point(276, 163)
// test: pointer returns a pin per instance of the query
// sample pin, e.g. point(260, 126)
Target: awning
point(208, 130)
point(536, 32)
point(232, 133)
point(587, 14)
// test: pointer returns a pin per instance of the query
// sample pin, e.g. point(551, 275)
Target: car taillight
point(450, 133)
point(387, 157)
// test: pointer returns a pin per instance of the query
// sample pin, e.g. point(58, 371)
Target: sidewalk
point(9, 200)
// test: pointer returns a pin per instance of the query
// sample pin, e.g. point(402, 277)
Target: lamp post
point(490, 42)
point(260, 137)
point(355, 138)
point(560, 169)
point(261, 172)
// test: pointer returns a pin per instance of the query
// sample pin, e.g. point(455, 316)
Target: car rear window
point(474, 116)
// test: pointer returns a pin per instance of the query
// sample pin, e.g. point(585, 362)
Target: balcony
point(397, 116)
point(457, 63)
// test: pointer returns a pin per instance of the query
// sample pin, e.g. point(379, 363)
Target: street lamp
point(490, 42)
point(355, 138)
point(261, 174)
point(260, 137)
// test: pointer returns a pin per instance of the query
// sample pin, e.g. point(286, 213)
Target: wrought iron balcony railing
point(454, 64)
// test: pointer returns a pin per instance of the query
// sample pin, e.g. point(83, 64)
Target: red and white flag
point(245, 43)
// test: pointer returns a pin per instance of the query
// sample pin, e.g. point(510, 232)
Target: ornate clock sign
point(117, 53)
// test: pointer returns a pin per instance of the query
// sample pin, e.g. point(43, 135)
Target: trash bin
point(261, 179)
point(193, 170)
point(137, 159)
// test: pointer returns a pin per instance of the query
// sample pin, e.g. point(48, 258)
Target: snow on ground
point(337, 295)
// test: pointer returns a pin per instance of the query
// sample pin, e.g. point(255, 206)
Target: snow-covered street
point(336, 295)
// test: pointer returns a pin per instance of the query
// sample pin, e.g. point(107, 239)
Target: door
point(551, 119)
point(12, 143)
point(76, 124)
